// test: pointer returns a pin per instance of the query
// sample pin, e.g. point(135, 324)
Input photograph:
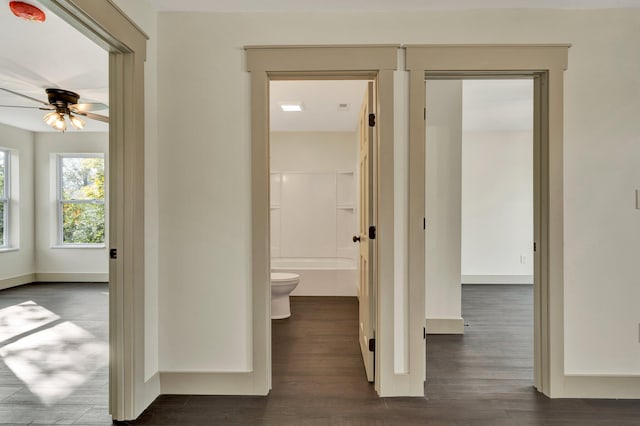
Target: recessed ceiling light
point(291, 107)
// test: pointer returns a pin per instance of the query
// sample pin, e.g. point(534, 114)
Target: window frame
point(61, 202)
point(6, 200)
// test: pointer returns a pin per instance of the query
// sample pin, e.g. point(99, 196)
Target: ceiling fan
point(63, 103)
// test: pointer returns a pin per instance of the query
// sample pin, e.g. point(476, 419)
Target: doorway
point(479, 244)
point(367, 62)
point(319, 140)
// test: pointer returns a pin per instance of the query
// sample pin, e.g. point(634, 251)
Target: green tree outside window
point(82, 200)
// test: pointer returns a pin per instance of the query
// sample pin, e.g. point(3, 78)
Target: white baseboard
point(55, 277)
point(598, 386)
point(16, 281)
point(232, 383)
point(445, 325)
point(497, 279)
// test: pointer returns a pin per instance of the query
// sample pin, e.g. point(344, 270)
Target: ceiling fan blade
point(25, 96)
point(92, 106)
point(27, 107)
point(93, 116)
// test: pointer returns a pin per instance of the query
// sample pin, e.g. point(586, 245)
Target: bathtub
point(320, 276)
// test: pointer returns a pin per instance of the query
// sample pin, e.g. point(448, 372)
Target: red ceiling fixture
point(27, 11)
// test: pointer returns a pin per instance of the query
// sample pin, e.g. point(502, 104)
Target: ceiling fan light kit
point(61, 99)
point(76, 122)
point(27, 11)
point(55, 120)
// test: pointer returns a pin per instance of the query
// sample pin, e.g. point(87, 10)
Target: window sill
point(79, 246)
point(8, 249)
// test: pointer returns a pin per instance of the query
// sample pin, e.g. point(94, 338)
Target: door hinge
point(372, 345)
point(424, 333)
point(372, 232)
point(113, 253)
point(425, 114)
point(424, 223)
point(372, 120)
point(535, 246)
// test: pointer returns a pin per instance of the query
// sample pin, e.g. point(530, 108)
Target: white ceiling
point(35, 56)
point(380, 5)
point(320, 103)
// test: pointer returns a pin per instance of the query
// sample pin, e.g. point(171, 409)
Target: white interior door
point(366, 299)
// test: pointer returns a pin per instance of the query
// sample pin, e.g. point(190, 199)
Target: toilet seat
point(283, 278)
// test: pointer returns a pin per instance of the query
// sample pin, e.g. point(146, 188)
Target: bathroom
point(314, 154)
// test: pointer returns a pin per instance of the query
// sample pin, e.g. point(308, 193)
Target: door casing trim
point(546, 64)
point(104, 23)
point(313, 62)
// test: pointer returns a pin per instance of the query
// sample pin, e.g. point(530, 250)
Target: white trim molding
point(601, 386)
point(16, 281)
point(208, 383)
point(71, 277)
point(497, 279)
point(445, 325)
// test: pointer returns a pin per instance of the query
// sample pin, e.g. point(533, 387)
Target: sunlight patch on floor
point(56, 361)
point(22, 318)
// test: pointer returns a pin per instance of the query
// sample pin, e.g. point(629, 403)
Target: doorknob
point(356, 239)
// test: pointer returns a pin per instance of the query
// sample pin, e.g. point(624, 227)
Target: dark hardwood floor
point(481, 378)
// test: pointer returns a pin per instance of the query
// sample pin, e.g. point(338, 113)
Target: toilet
point(282, 284)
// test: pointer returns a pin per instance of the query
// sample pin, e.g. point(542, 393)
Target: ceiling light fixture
point(61, 99)
point(291, 107)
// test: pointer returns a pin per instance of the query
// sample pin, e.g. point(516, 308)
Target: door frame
point(105, 24)
point(546, 63)
point(265, 63)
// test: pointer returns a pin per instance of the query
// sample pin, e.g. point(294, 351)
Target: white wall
point(18, 263)
point(497, 207)
point(443, 151)
point(204, 168)
point(53, 262)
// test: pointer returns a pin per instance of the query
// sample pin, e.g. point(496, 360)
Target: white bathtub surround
point(321, 276)
point(313, 214)
point(314, 210)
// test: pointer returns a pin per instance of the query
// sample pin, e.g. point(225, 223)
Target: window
point(4, 198)
point(81, 199)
